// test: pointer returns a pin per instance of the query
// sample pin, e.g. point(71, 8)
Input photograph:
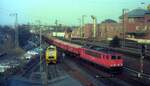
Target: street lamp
point(123, 26)
point(83, 26)
point(16, 29)
point(94, 26)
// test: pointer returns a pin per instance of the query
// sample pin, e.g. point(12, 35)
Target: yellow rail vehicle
point(51, 54)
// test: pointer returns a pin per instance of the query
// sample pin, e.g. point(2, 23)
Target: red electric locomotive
point(103, 58)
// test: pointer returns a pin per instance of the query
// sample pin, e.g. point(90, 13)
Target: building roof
point(148, 12)
point(109, 21)
point(139, 12)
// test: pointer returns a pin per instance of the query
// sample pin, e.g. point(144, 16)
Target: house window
point(137, 28)
point(131, 20)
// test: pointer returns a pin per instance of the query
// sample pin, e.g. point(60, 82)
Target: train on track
point(102, 57)
point(51, 54)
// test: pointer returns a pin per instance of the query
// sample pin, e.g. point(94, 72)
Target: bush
point(115, 42)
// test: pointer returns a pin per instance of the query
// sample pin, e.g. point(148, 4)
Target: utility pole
point(16, 29)
point(80, 27)
point(143, 52)
point(43, 73)
point(94, 26)
point(41, 66)
point(144, 44)
point(143, 48)
point(106, 33)
point(56, 22)
point(142, 4)
point(39, 23)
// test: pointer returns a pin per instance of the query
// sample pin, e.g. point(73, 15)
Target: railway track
point(55, 71)
point(76, 73)
point(130, 49)
point(122, 79)
point(61, 71)
point(30, 67)
point(127, 80)
point(135, 73)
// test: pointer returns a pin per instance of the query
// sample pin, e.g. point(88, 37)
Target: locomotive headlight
point(51, 53)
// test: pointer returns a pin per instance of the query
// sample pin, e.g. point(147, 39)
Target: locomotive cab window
point(119, 57)
point(113, 57)
point(51, 49)
point(116, 57)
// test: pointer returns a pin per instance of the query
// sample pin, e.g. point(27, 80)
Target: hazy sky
point(65, 11)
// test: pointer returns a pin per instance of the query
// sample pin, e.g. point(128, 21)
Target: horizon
point(67, 12)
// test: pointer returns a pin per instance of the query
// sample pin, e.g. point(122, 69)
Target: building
point(133, 24)
point(76, 33)
point(137, 23)
point(68, 32)
point(88, 31)
point(109, 29)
